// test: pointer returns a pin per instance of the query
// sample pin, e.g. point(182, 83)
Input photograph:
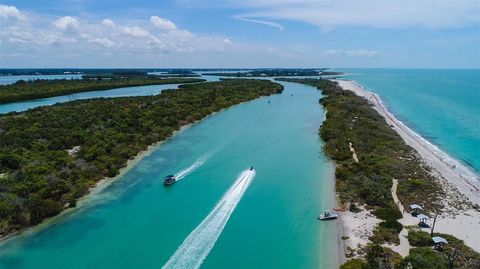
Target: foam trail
point(200, 241)
point(185, 172)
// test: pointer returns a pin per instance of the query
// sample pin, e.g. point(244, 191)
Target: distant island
point(276, 73)
point(36, 89)
point(51, 156)
point(92, 71)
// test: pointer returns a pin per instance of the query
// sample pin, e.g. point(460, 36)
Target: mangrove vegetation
point(35, 89)
point(51, 156)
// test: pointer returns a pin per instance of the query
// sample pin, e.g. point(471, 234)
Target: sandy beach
point(456, 179)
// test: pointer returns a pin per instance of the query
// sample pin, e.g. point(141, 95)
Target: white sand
point(358, 227)
point(463, 224)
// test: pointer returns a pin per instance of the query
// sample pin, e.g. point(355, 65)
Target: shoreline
point(463, 225)
point(92, 193)
point(106, 181)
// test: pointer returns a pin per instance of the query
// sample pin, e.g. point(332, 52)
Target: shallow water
point(440, 105)
point(138, 223)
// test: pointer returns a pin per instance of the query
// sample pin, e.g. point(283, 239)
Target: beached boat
point(169, 180)
point(328, 215)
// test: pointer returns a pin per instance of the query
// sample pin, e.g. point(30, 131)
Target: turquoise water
point(136, 222)
point(4, 80)
point(441, 105)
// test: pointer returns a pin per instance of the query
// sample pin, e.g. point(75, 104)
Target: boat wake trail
point(193, 251)
point(185, 172)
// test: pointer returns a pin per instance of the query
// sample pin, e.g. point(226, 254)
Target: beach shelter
point(439, 242)
point(423, 220)
point(416, 209)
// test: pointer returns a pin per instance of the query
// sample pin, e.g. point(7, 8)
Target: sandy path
point(406, 220)
point(352, 150)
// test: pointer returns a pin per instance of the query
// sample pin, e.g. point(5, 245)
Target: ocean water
point(441, 105)
point(231, 218)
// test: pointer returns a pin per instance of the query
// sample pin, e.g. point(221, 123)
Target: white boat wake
point(195, 248)
point(185, 172)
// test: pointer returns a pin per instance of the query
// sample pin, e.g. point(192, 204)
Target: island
point(276, 72)
point(53, 155)
point(36, 89)
point(378, 176)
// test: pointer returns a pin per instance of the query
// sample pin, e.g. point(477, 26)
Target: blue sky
point(240, 33)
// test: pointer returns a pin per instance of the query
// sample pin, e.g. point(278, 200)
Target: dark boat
point(169, 180)
point(251, 168)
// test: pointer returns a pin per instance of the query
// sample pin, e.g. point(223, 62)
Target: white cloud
point(162, 23)
point(102, 41)
point(136, 31)
point(49, 36)
point(10, 12)
point(108, 23)
point(67, 23)
point(351, 53)
point(267, 23)
point(329, 14)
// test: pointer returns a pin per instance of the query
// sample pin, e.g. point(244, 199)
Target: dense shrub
point(354, 264)
point(388, 213)
point(419, 238)
point(424, 258)
point(381, 257)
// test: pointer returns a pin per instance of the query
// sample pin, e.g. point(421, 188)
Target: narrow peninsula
point(378, 176)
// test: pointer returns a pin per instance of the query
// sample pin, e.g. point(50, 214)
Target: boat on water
point(169, 180)
point(328, 215)
point(251, 168)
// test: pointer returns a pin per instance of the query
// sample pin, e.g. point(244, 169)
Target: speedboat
point(251, 168)
point(328, 215)
point(169, 180)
